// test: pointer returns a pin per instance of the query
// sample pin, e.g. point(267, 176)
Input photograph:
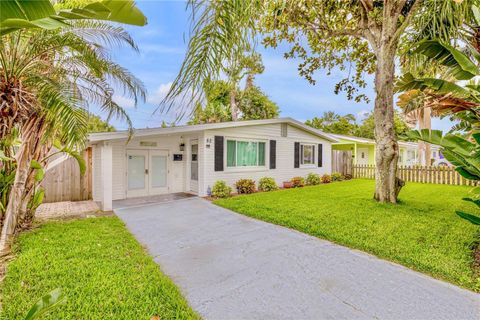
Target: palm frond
point(219, 30)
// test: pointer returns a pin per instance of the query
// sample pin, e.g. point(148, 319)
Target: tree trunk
point(249, 81)
point(15, 199)
point(386, 143)
point(427, 124)
point(233, 104)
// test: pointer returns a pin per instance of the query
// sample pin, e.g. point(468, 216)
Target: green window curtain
point(246, 154)
point(231, 153)
point(261, 153)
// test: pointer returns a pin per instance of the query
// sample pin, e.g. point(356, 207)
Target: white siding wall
point(119, 171)
point(96, 173)
point(284, 161)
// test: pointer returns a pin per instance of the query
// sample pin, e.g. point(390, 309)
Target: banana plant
point(447, 95)
point(464, 154)
point(26, 14)
point(45, 304)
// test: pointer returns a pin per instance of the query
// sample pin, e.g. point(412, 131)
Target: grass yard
point(102, 269)
point(421, 232)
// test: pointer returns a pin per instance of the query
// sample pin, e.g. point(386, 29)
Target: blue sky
point(162, 45)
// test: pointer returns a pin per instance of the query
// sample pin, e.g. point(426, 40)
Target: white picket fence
point(423, 174)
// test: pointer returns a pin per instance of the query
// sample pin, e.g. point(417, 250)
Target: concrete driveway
point(233, 267)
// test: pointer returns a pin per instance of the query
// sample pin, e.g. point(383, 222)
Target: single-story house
point(192, 158)
point(363, 151)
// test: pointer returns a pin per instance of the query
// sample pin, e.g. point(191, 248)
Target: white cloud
point(124, 102)
point(157, 96)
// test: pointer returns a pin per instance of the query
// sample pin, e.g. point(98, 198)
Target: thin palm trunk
point(233, 104)
point(16, 196)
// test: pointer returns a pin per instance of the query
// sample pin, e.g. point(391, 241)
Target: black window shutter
point(273, 154)
point(296, 155)
point(320, 155)
point(218, 153)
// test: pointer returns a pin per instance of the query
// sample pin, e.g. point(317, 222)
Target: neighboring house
point(363, 151)
point(192, 158)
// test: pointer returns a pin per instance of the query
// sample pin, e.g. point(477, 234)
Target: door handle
point(146, 171)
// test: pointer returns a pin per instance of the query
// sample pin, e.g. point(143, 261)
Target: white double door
point(147, 172)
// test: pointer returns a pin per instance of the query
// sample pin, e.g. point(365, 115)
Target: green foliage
point(96, 124)
point(245, 186)
point(367, 128)
point(412, 232)
point(37, 199)
point(15, 15)
point(267, 184)
point(255, 105)
point(326, 178)
point(221, 190)
point(334, 123)
point(297, 182)
point(460, 152)
point(103, 271)
point(46, 303)
point(312, 179)
point(337, 176)
point(252, 103)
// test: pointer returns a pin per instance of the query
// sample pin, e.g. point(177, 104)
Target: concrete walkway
point(233, 267)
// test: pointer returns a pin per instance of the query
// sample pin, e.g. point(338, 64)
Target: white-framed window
point(307, 154)
point(245, 153)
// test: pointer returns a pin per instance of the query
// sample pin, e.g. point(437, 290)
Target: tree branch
point(316, 28)
point(407, 20)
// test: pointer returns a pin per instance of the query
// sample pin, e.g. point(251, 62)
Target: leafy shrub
point(326, 178)
point(245, 186)
point(312, 179)
point(337, 176)
point(297, 182)
point(221, 190)
point(348, 176)
point(267, 184)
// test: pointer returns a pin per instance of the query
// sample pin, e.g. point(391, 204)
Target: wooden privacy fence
point(423, 174)
point(342, 161)
point(63, 181)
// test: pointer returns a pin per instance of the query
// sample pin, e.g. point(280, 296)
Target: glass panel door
point(159, 171)
point(137, 173)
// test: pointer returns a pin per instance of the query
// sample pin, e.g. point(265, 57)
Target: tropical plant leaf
point(73, 154)
point(470, 217)
point(37, 199)
point(459, 65)
point(475, 201)
point(35, 164)
point(45, 304)
point(21, 14)
point(39, 174)
point(439, 86)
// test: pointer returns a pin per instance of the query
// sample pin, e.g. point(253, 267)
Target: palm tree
point(47, 81)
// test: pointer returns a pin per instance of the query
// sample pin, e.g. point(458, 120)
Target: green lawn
point(103, 270)
point(421, 232)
